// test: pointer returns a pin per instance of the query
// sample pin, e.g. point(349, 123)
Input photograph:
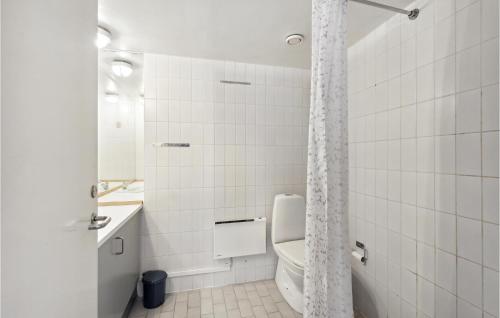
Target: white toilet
point(287, 234)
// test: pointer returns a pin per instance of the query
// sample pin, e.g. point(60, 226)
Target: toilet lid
point(292, 251)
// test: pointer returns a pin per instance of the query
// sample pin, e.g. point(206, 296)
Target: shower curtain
point(327, 277)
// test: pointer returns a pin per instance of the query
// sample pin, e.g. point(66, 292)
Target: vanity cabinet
point(119, 269)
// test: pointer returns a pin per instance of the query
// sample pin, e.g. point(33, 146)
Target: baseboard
point(358, 314)
point(130, 303)
point(207, 270)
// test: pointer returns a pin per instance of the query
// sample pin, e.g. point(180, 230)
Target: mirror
point(121, 127)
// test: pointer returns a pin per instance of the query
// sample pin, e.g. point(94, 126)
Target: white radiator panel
point(239, 238)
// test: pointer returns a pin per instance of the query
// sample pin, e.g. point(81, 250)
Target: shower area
point(423, 162)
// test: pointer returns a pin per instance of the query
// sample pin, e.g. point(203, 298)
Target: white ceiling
point(242, 30)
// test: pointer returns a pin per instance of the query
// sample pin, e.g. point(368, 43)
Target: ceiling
point(250, 31)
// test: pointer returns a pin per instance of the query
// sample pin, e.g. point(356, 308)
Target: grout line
point(481, 149)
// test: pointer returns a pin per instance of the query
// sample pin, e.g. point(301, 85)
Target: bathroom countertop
point(120, 195)
point(120, 214)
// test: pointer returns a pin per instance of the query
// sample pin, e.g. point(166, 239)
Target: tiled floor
point(256, 299)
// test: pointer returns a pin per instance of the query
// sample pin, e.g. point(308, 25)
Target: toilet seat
point(292, 252)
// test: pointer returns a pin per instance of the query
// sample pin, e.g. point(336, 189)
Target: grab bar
point(171, 144)
point(235, 82)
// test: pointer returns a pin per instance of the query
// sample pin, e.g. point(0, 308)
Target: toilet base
point(291, 285)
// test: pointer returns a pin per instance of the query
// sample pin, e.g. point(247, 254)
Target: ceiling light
point(121, 68)
point(103, 37)
point(111, 98)
point(294, 39)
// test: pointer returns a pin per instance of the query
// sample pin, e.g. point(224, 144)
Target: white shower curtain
point(327, 277)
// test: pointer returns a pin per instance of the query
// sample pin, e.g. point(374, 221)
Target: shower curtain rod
point(412, 14)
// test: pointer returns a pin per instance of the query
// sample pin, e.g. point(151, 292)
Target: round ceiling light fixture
point(294, 39)
point(111, 98)
point(103, 37)
point(121, 68)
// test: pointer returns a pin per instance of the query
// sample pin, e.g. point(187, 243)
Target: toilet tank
point(289, 218)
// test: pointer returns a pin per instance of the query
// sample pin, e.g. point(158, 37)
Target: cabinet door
point(119, 269)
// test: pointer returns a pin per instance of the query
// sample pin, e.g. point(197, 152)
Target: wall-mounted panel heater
point(239, 238)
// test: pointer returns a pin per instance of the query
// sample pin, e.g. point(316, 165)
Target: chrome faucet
point(104, 185)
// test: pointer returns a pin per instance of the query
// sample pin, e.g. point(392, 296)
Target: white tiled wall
point(139, 140)
point(117, 138)
point(424, 162)
point(248, 143)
